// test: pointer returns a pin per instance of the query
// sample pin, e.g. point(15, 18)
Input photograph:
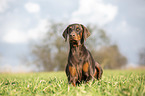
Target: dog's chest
point(78, 58)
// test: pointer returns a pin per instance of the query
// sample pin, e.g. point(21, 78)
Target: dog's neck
point(77, 54)
point(76, 43)
point(77, 50)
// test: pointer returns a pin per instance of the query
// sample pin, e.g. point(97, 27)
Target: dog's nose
point(72, 34)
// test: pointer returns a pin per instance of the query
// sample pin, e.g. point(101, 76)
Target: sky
point(24, 20)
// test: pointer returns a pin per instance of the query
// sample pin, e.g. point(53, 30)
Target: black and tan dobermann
point(81, 66)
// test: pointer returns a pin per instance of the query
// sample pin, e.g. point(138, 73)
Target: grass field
point(113, 83)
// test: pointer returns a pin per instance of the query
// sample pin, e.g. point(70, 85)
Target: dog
point(81, 66)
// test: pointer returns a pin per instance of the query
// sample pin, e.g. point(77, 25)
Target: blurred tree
point(110, 57)
point(142, 57)
point(106, 54)
point(98, 37)
point(51, 52)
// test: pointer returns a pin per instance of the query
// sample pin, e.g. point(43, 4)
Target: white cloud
point(39, 30)
point(94, 11)
point(4, 5)
point(14, 36)
point(32, 7)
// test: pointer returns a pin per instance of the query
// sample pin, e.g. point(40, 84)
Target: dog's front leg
point(72, 75)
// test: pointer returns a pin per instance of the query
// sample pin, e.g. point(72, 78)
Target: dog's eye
point(70, 29)
point(78, 29)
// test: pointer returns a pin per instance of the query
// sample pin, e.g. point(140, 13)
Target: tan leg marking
point(72, 71)
point(73, 84)
point(95, 74)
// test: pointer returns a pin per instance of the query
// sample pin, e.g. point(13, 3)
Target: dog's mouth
point(75, 42)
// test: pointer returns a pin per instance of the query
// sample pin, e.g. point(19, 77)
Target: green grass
point(113, 83)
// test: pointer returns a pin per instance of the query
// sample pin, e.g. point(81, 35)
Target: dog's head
point(77, 34)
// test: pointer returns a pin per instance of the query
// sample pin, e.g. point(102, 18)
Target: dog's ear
point(86, 33)
point(65, 33)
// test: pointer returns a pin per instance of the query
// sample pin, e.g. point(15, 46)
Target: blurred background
point(31, 33)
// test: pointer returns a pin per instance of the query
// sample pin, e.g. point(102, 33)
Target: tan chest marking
point(86, 67)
